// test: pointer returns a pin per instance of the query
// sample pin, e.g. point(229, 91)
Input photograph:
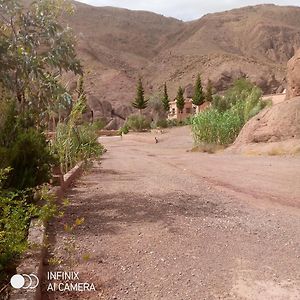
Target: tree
point(198, 97)
point(165, 99)
point(180, 100)
point(156, 108)
point(35, 50)
point(209, 92)
point(139, 101)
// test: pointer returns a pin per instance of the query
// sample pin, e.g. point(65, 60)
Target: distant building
point(189, 109)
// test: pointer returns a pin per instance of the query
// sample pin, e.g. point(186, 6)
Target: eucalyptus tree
point(35, 52)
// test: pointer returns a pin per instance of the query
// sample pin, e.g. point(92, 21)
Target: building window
point(188, 110)
point(173, 111)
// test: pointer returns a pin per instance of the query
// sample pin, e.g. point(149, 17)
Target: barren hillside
point(118, 45)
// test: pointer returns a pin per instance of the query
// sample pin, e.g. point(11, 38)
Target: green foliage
point(198, 97)
point(157, 110)
point(15, 215)
point(123, 130)
point(188, 120)
point(81, 94)
point(214, 127)
point(209, 91)
point(220, 103)
point(140, 102)
point(240, 91)
point(9, 122)
point(35, 50)
point(23, 149)
point(16, 211)
point(174, 123)
point(30, 159)
point(165, 99)
point(240, 87)
point(222, 124)
point(180, 99)
point(163, 123)
point(74, 143)
point(88, 142)
point(137, 123)
point(80, 90)
point(98, 124)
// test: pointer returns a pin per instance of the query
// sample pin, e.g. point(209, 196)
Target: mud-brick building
point(189, 109)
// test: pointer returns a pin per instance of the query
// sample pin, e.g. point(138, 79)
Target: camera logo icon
point(24, 281)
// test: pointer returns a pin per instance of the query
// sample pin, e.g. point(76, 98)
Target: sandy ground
point(164, 223)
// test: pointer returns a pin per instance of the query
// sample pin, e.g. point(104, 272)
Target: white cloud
point(183, 9)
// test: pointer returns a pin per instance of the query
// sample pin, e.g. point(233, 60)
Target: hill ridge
point(118, 45)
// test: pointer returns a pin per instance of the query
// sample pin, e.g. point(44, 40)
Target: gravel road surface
point(161, 222)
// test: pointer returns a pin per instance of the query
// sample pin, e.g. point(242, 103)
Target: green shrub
point(220, 103)
point(137, 123)
point(214, 127)
point(23, 148)
point(88, 146)
point(9, 124)
point(162, 123)
point(30, 160)
point(74, 144)
point(98, 124)
point(222, 124)
point(174, 123)
point(16, 211)
point(188, 120)
point(123, 130)
point(15, 215)
point(241, 90)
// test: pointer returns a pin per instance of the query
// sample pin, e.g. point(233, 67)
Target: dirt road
point(164, 223)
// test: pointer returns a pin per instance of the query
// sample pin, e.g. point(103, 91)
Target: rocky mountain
point(293, 76)
point(118, 45)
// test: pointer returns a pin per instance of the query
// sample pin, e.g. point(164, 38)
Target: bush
point(163, 123)
point(137, 123)
point(220, 103)
point(88, 146)
point(174, 123)
point(16, 211)
point(30, 160)
point(24, 149)
point(123, 130)
point(214, 127)
point(188, 120)
point(72, 145)
point(98, 124)
point(241, 90)
point(222, 124)
point(15, 215)
point(73, 142)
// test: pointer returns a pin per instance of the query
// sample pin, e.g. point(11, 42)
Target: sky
point(185, 9)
